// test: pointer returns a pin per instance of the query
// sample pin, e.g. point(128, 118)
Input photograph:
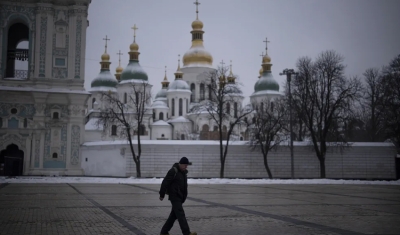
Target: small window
point(25, 123)
point(113, 130)
point(59, 62)
point(161, 116)
point(215, 128)
point(125, 98)
point(55, 115)
point(162, 135)
point(93, 101)
point(55, 155)
point(182, 137)
point(14, 111)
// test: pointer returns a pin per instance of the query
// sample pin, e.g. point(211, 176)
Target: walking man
point(175, 184)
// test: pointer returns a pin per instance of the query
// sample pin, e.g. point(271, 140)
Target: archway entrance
point(11, 161)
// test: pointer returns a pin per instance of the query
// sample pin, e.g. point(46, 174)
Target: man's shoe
point(193, 233)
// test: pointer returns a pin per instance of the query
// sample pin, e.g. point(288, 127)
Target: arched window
point(113, 130)
point(235, 107)
point(187, 106)
point(25, 123)
point(161, 116)
point(125, 98)
point(182, 137)
point(154, 115)
point(272, 106)
point(17, 47)
point(228, 108)
point(55, 155)
point(202, 91)
point(173, 107)
point(193, 90)
point(55, 115)
point(262, 107)
point(93, 101)
point(180, 107)
point(215, 128)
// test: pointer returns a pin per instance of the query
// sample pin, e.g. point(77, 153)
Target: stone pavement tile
point(210, 220)
point(315, 210)
point(393, 209)
point(59, 221)
point(365, 224)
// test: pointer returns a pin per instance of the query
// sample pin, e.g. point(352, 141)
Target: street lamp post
point(288, 73)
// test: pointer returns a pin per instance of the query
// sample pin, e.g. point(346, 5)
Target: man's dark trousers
point(177, 212)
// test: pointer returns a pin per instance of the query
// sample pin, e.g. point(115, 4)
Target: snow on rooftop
point(91, 125)
point(178, 119)
point(160, 123)
point(133, 180)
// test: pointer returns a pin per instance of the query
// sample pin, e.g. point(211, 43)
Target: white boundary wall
point(361, 161)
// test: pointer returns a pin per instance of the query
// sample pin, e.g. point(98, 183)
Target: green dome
point(266, 83)
point(104, 79)
point(134, 71)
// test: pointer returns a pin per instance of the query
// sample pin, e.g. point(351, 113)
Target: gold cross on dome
point(134, 32)
point(106, 39)
point(266, 43)
point(119, 55)
point(197, 8)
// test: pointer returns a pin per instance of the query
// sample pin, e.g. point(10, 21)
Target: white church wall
point(161, 132)
point(104, 160)
point(362, 161)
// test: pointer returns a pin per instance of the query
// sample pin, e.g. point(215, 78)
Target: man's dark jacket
point(176, 184)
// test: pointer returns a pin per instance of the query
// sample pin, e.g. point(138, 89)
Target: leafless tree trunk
point(325, 95)
point(390, 105)
point(127, 114)
point(223, 92)
point(268, 127)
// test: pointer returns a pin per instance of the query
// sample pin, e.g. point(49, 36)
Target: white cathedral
point(45, 112)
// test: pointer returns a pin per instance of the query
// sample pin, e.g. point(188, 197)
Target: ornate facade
point(42, 97)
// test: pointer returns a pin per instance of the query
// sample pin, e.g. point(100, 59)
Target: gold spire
point(197, 55)
point(261, 70)
point(231, 77)
point(165, 82)
point(134, 47)
point(266, 62)
point(119, 69)
point(105, 58)
point(222, 79)
point(178, 73)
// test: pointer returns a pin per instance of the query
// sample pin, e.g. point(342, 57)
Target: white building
point(45, 112)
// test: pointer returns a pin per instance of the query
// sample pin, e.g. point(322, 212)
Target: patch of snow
point(178, 120)
point(160, 123)
point(133, 180)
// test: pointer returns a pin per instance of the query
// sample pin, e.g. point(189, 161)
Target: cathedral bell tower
point(43, 41)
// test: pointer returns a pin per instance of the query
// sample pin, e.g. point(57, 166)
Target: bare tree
point(268, 127)
point(126, 115)
point(224, 92)
point(326, 97)
point(369, 112)
point(390, 105)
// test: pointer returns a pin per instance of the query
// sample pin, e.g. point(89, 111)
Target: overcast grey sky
point(365, 32)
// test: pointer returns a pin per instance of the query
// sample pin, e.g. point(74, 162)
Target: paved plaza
point(211, 209)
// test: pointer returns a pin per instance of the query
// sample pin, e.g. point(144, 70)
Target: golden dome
point(105, 57)
point(119, 69)
point(266, 59)
point(134, 46)
point(197, 56)
point(197, 25)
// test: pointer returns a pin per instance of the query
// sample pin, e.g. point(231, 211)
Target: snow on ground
point(133, 180)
